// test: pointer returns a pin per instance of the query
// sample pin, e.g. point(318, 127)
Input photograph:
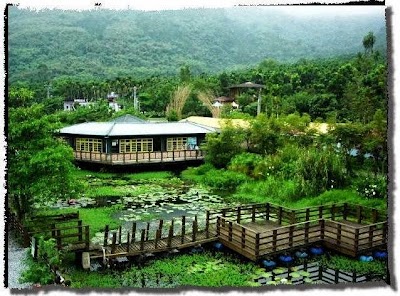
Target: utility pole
point(48, 90)
point(259, 102)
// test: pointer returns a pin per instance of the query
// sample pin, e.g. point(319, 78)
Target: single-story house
point(129, 139)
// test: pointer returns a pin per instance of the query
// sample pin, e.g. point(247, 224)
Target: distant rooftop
point(129, 118)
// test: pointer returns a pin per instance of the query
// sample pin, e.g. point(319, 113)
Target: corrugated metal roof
point(114, 129)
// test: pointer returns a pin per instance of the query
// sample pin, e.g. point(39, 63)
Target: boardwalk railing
point(285, 216)
point(176, 234)
point(348, 239)
point(139, 157)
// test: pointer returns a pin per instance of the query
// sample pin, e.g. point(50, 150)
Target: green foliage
point(244, 163)
point(319, 170)
point(48, 44)
point(273, 189)
point(39, 271)
point(371, 186)
point(189, 270)
point(265, 135)
point(220, 149)
point(224, 179)
point(374, 268)
point(40, 166)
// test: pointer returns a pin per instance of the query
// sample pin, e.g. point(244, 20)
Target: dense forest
point(104, 44)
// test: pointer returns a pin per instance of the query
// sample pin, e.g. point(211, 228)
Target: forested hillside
point(104, 44)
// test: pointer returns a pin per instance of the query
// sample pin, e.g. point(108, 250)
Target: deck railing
point(286, 216)
point(139, 157)
point(348, 239)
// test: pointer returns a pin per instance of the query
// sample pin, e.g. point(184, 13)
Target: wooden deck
point(139, 157)
point(254, 231)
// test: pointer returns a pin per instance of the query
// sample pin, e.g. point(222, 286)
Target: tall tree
point(39, 165)
point(368, 42)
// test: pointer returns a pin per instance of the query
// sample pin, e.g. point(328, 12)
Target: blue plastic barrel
point(316, 251)
point(301, 254)
point(380, 255)
point(218, 246)
point(268, 264)
point(286, 259)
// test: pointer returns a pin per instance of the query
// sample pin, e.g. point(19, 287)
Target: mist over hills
point(105, 43)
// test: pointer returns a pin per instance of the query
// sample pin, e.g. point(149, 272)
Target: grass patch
point(97, 218)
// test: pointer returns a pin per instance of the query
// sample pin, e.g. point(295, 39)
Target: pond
point(146, 201)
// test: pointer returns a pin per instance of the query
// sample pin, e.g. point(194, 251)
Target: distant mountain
point(106, 43)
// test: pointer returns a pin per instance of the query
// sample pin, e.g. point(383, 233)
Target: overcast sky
point(180, 4)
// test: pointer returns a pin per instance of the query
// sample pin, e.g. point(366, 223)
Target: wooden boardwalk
point(254, 231)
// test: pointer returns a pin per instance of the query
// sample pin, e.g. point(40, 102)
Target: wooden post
point(356, 240)
point(384, 232)
point(105, 242)
point(160, 224)
point(243, 237)
point(267, 210)
point(80, 231)
point(293, 217)
point(257, 246)
point(333, 211)
point(338, 234)
point(370, 236)
point(239, 213)
point(147, 231)
point(123, 157)
point(336, 276)
point(184, 154)
point(173, 155)
point(142, 238)
point(170, 235)
point(114, 242)
point(345, 210)
point(230, 229)
point(162, 153)
point(183, 229)
point(374, 216)
point(137, 159)
point(158, 236)
point(119, 235)
point(320, 212)
point(87, 237)
point(149, 156)
point(306, 232)
point(128, 242)
point(253, 213)
point(359, 214)
point(218, 225)
point(280, 211)
point(274, 238)
point(322, 227)
point(133, 232)
point(308, 214)
point(207, 224)
point(194, 230)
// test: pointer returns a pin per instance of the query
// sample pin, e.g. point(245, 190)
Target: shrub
point(320, 170)
point(273, 189)
point(223, 179)
point(245, 163)
point(371, 187)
